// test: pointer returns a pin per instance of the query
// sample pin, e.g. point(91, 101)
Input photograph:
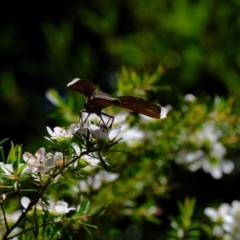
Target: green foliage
point(27, 186)
point(149, 165)
point(159, 50)
point(183, 225)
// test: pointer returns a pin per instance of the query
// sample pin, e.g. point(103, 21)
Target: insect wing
point(141, 106)
point(102, 100)
point(85, 87)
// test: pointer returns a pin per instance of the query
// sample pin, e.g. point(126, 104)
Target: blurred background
point(194, 45)
point(46, 46)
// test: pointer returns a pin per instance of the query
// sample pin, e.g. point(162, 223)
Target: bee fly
point(96, 101)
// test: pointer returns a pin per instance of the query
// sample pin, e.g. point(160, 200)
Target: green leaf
point(83, 209)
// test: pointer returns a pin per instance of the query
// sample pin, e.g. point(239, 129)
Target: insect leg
point(110, 120)
point(81, 118)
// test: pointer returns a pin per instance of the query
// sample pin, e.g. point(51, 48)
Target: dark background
point(46, 45)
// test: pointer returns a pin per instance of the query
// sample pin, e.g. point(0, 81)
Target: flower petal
point(98, 133)
point(25, 202)
point(114, 133)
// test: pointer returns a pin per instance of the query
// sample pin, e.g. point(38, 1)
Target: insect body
point(96, 101)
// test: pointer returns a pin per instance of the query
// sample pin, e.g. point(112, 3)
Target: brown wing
point(141, 106)
point(102, 100)
point(85, 87)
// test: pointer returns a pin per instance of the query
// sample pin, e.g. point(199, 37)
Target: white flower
point(91, 160)
point(218, 150)
point(235, 210)
point(218, 215)
point(61, 134)
point(217, 168)
point(189, 157)
point(7, 169)
point(120, 118)
point(9, 172)
point(209, 133)
point(189, 97)
point(53, 159)
point(82, 131)
point(217, 231)
point(96, 181)
point(41, 161)
point(133, 136)
point(25, 202)
point(227, 166)
point(212, 161)
point(99, 131)
point(226, 219)
point(76, 148)
point(59, 207)
point(88, 159)
point(229, 223)
point(192, 159)
point(194, 156)
point(83, 185)
point(107, 176)
point(36, 162)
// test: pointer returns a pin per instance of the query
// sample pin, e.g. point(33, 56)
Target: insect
point(96, 101)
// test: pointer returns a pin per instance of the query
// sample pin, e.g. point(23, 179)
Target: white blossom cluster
point(209, 154)
point(96, 181)
point(97, 131)
point(54, 207)
point(43, 163)
point(226, 220)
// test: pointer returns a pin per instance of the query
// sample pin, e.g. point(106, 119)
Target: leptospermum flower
point(218, 215)
point(25, 202)
point(88, 159)
point(7, 170)
point(212, 161)
point(189, 98)
point(41, 161)
point(59, 207)
point(226, 219)
point(217, 167)
point(62, 134)
point(100, 132)
point(95, 182)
